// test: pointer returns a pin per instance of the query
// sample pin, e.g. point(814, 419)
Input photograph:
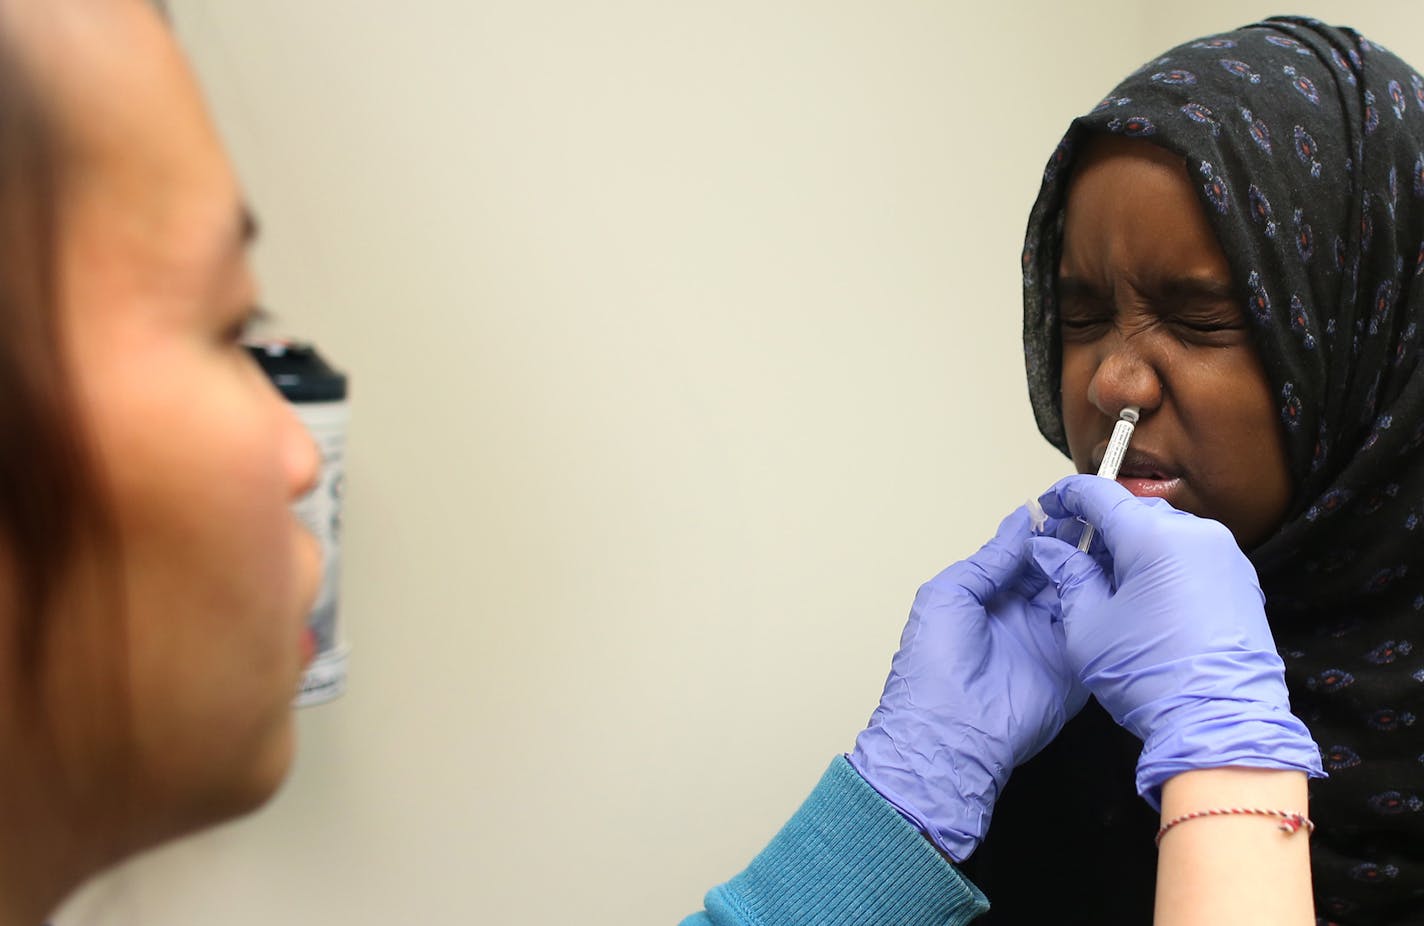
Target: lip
point(1145, 474)
point(1165, 489)
point(308, 646)
point(1141, 464)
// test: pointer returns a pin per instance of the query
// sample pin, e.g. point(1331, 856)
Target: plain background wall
point(684, 341)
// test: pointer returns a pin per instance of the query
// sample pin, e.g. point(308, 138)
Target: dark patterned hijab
point(1306, 144)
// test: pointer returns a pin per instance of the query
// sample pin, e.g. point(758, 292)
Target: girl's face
point(1149, 316)
point(199, 455)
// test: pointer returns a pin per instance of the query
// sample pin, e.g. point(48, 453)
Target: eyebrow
point(1175, 289)
point(1072, 286)
point(1188, 288)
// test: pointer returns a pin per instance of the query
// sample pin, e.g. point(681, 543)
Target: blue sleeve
point(846, 856)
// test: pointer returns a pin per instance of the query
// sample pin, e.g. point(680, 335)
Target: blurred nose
point(301, 458)
point(1126, 375)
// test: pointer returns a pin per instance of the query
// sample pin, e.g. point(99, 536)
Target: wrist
point(1238, 852)
point(950, 806)
point(1216, 735)
point(1263, 795)
point(1233, 786)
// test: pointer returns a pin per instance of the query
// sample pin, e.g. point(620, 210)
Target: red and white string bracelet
point(1291, 823)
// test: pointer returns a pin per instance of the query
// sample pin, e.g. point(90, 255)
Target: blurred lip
point(308, 646)
point(309, 566)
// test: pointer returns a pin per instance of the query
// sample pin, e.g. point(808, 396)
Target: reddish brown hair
point(47, 490)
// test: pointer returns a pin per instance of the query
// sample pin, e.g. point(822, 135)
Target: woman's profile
point(153, 581)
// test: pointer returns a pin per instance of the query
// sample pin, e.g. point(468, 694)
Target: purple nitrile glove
point(980, 685)
point(1171, 637)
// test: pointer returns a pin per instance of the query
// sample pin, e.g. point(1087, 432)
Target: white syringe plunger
point(1112, 458)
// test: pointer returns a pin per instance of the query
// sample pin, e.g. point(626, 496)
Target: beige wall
point(684, 341)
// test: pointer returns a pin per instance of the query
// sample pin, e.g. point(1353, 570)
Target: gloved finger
point(1082, 495)
point(1081, 582)
point(1033, 584)
point(1030, 582)
point(1053, 527)
point(1114, 511)
point(1060, 527)
point(1070, 531)
point(1048, 556)
point(1026, 583)
point(996, 564)
point(1060, 513)
point(1045, 525)
point(1077, 697)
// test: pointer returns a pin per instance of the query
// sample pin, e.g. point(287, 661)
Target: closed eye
point(1209, 327)
point(1083, 307)
point(1082, 322)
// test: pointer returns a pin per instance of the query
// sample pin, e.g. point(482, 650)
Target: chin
point(234, 789)
point(267, 772)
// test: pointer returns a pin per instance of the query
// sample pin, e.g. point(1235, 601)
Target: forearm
point(846, 856)
point(1233, 869)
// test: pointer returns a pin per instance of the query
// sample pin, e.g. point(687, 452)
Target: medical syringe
point(1112, 459)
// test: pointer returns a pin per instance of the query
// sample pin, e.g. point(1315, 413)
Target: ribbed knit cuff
point(847, 856)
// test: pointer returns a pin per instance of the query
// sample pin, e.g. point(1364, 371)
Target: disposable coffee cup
point(317, 393)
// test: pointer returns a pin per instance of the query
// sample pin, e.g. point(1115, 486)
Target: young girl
point(1292, 412)
point(1231, 242)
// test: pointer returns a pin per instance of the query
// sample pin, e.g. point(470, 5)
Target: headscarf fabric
point(1306, 146)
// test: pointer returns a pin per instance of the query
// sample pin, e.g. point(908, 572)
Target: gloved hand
point(980, 685)
point(1172, 638)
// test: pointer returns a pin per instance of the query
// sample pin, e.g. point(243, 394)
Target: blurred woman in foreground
point(153, 582)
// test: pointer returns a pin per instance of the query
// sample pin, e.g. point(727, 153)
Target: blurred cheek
point(215, 568)
point(201, 493)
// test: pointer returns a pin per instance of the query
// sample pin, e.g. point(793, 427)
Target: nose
point(1126, 375)
point(301, 458)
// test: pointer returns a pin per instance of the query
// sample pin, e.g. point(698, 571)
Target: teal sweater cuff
point(847, 856)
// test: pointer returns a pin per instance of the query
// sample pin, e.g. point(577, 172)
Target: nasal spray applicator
point(1112, 459)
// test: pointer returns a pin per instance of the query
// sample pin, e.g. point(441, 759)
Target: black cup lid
point(298, 371)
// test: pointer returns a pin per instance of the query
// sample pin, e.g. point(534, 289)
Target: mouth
point(1167, 489)
point(308, 646)
point(1146, 475)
